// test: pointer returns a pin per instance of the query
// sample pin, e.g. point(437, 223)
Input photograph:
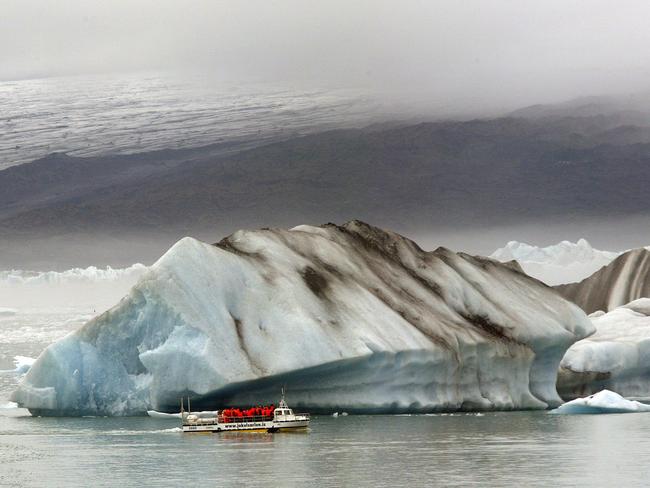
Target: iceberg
point(565, 262)
point(164, 415)
point(616, 356)
point(350, 318)
point(623, 280)
point(604, 401)
point(7, 312)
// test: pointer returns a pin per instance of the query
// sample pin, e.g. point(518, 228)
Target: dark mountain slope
point(479, 172)
point(442, 175)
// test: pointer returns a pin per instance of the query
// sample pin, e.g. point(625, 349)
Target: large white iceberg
point(565, 262)
point(347, 317)
point(604, 401)
point(616, 357)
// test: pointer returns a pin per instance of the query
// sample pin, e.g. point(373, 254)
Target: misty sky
point(509, 52)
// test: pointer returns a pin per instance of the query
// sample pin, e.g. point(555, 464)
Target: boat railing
point(225, 419)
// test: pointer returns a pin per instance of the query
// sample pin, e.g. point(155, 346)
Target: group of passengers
point(235, 414)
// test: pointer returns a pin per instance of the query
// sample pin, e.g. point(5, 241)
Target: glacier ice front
point(348, 317)
point(565, 262)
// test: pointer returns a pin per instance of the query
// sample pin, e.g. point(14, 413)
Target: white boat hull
point(259, 426)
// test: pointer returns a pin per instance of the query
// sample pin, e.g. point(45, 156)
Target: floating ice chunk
point(7, 312)
point(23, 363)
point(604, 401)
point(349, 317)
point(162, 415)
point(616, 357)
point(11, 409)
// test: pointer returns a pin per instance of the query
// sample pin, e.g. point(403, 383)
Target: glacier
point(75, 275)
point(615, 357)
point(565, 262)
point(604, 401)
point(348, 317)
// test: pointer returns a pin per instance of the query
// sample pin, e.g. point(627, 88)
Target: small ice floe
point(23, 363)
point(162, 415)
point(7, 312)
point(344, 414)
point(335, 414)
point(604, 401)
point(11, 409)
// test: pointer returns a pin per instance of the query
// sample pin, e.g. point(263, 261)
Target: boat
point(254, 419)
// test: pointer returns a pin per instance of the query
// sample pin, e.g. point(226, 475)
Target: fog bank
point(498, 54)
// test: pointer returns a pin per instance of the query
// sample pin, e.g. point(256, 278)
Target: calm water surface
point(499, 449)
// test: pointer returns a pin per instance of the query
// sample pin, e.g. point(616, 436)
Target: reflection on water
point(495, 449)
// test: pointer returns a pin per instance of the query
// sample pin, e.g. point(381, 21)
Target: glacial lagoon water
point(523, 449)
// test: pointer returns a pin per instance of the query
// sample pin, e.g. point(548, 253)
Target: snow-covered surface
point(604, 401)
point(616, 357)
point(565, 262)
point(349, 318)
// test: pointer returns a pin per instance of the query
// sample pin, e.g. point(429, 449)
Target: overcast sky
point(518, 50)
